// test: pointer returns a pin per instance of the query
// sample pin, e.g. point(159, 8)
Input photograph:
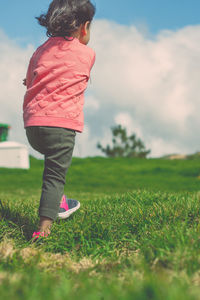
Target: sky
point(145, 76)
point(17, 17)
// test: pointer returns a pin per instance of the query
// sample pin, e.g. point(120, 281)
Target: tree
point(124, 146)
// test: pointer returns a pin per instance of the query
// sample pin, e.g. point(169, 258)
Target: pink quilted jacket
point(56, 79)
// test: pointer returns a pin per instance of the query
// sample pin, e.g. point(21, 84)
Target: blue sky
point(17, 17)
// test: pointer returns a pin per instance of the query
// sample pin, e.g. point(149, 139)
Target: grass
point(113, 175)
point(136, 235)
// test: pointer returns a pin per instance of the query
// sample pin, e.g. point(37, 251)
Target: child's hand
point(24, 81)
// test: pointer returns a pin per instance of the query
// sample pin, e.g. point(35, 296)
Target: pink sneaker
point(67, 207)
point(38, 234)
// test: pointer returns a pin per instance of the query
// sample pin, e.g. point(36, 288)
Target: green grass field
point(136, 235)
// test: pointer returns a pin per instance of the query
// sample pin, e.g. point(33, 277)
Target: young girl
point(56, 79)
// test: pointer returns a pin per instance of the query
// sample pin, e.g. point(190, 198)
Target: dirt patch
point(7, 249)
point(28, 253)
point(83, 264)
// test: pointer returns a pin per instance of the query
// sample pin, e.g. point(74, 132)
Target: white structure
point(14, 155)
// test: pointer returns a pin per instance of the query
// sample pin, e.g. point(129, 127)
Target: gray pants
point(57, 145)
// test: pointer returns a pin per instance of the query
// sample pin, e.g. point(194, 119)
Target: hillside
point(135, 236)
point(182, 156)
point(112, 175)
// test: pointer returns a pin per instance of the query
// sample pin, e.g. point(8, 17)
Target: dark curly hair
point(65, 16)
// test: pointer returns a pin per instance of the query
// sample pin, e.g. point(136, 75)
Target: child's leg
point(57, 160)
point(57, 145)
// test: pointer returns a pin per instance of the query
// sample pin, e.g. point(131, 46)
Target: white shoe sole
point(66, 214)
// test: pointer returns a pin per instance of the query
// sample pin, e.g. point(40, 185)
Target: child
point(56, 79)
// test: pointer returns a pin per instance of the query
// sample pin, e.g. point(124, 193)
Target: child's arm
point(24, 81)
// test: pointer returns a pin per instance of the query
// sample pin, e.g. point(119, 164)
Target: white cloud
point(154, 80)
point(85, 144)
point(150, 85)
point(91, 103)
point(126, 121)
point(13, 65)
